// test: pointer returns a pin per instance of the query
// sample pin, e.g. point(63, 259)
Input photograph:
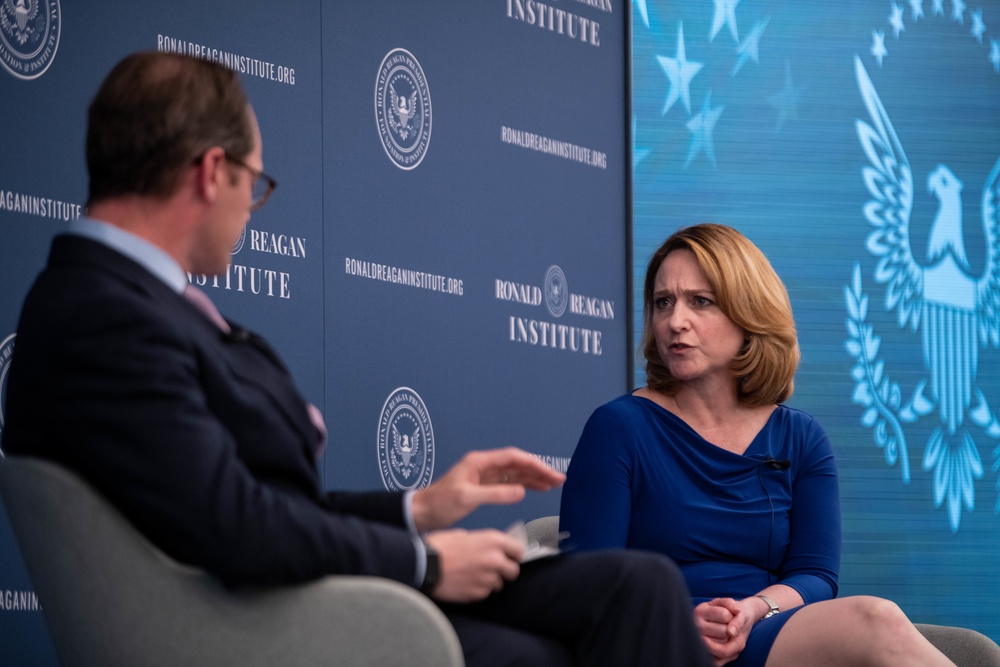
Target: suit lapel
point(232, 349)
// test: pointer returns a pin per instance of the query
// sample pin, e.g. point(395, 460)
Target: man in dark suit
point(193, 427)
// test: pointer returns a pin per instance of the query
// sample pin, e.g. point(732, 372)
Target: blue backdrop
point(440, 239)
point(856, 144)
point(443, 265)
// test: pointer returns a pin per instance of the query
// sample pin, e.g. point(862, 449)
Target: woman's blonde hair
point(750, 294)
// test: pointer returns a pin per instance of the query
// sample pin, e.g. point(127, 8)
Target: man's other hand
point(474, 564)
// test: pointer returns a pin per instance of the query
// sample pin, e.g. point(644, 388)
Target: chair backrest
point(112, 598)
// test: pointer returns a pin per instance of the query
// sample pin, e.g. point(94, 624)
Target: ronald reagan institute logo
point(403, 109)
point(6, 352)
point(29, 36)
point(405, 442)
point(556, 291)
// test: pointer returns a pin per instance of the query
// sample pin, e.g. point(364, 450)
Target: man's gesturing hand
point(497, 476)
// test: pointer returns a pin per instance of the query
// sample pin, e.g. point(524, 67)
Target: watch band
point(774, 608)
point(432, 573)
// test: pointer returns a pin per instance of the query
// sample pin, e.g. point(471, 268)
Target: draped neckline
point(663, 412)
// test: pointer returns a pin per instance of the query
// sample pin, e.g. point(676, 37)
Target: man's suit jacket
point(199, 437)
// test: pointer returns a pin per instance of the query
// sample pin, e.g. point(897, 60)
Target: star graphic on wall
point(878, 46)
point(643, 12)
point(701, 127)
point(995, 55)
point(725, 14)
point(680, 71)
point(896, 20)
point(786, 100)
point(957, 11)
point(978, 27)
point(750, 46)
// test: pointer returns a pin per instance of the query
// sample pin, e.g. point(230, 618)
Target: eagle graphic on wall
point(955, 311)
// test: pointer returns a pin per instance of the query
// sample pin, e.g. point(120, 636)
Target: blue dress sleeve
point(812, 561)
point(596, 498)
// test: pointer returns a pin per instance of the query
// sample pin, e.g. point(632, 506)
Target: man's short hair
point(154, 115)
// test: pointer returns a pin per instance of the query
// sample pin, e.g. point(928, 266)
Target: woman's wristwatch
point(774, 608)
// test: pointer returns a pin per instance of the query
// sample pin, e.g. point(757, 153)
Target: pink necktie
point(205, 305)
point(316, 417)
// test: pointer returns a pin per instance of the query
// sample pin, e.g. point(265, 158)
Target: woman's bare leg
point(859, 631)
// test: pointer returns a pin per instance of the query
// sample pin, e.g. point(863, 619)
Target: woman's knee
point(861, 630)
point(878, 612)
point(884, 621)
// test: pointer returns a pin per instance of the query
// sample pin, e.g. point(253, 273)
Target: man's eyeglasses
point(263, 185)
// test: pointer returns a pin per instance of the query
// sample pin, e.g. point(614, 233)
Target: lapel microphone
point(777, 464)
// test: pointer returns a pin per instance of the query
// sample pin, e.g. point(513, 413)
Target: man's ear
point(210, 169)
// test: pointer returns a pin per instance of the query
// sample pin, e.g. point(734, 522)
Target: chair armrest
point(110, 597)
point(965, 647)
point(346, 620)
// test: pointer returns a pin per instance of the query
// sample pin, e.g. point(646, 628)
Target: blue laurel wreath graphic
point(884, 411)
point(880, 397)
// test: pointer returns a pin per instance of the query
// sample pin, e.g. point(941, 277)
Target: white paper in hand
point(532, 550)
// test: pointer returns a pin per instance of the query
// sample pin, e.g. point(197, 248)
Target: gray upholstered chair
point(111, 598)
point(965, 647)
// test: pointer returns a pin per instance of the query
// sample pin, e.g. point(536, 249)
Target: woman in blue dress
point(705, 465)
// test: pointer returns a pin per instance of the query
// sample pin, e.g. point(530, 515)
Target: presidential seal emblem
point(29, 36)
point(403, 109)
point(405, 442)
point(934, 283)
point(239, 242)
point(556, 291)
point(6, 352)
